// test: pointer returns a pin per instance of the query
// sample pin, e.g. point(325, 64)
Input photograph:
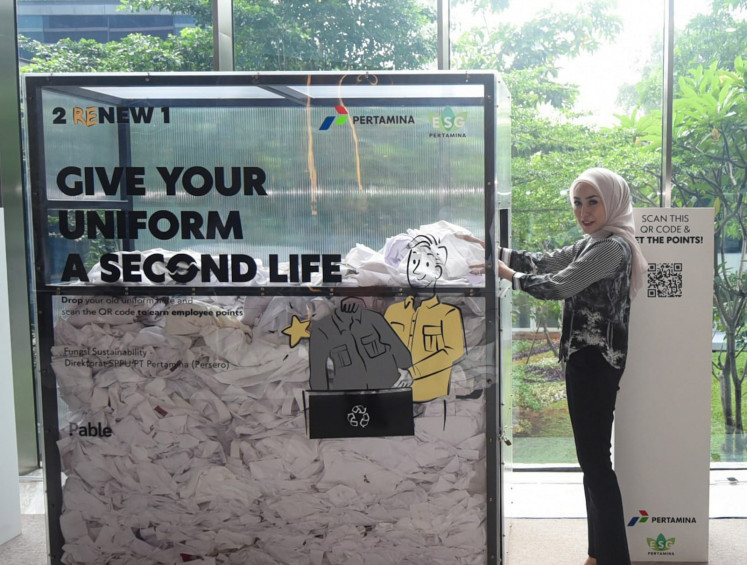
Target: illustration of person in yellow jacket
point(432, 330)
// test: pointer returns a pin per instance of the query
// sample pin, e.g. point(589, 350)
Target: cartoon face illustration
point(424, 262)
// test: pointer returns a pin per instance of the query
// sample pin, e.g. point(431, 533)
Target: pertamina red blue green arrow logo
point(339, 119)
point(643, 518)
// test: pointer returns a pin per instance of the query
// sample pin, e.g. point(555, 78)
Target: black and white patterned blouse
point(593, 278)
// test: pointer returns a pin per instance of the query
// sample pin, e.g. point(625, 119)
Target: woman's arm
point(540, 262)
point(600, 260)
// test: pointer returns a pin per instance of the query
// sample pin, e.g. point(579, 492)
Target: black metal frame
point(274, 82)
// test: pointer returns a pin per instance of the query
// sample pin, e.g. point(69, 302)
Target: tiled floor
point(563, 542)
point(31, 488)
point(544, 520)
point(530, 494)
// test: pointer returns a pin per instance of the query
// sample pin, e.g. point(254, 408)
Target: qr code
point(665, 280)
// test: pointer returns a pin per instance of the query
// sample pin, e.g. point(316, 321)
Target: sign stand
point(662, 423)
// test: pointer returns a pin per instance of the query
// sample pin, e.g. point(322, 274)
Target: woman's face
point(588, 208)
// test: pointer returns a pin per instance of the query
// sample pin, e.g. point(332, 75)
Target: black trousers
point(592, 386)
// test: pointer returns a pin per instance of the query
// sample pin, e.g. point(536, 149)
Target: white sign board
point(662, 431)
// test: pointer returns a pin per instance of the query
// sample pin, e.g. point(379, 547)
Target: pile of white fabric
point(209, 460)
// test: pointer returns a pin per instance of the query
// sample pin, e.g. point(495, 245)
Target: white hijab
point(615, 194)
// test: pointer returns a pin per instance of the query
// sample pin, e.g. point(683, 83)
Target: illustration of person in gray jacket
point(355, 348)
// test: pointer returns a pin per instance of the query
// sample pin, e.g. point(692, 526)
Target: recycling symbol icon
point(358, 417)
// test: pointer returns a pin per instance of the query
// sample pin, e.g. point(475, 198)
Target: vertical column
point(444, 40)
point(223, 35)
point(15, 248)
point(10, 509)
point(667, 93)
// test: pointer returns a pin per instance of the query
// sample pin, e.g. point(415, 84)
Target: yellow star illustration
point(297, 331)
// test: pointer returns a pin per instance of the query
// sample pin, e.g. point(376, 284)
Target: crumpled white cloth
point(388, 265)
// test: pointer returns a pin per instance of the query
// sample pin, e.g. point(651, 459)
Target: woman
point(597, 277)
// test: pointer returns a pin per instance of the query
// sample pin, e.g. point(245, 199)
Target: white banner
point(662, 430)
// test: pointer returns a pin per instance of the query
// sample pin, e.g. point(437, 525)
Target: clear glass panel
point(350, 173)
point(97, 145)
point(320, 185)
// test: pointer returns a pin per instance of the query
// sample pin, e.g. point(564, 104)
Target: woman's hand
point(471, 238)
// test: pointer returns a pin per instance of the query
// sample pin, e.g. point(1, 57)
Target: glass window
point(709, 169)
point(81, 36)
point(569, 78)
point(30, 22)
point(52, 36)
point(335, 36)
point(612, 117)
point(159, 26)
point(78, 22)
point(141, 22)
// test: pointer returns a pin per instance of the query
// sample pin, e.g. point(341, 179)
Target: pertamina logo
point(448, 123)
point(339, 119)
point(645, 517)
point(365, 120)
